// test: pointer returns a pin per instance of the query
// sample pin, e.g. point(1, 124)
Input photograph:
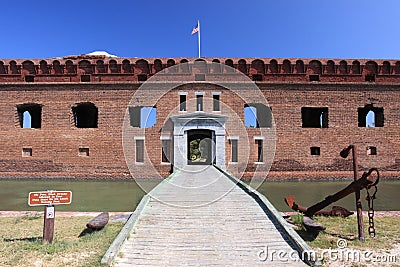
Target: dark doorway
point(200, 147)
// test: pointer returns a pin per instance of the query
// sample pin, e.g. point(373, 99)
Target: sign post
point(49, 199)
point(48, 227)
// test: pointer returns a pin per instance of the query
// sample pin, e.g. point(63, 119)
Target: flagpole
point(198, 25)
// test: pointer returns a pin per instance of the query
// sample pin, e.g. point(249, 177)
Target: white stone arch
point(198, 121)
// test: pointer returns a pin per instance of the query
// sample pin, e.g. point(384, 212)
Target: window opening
point(371, 150)
point(257, 115)
point(83, 152)
point(30, 115)
point(314, 77)
point(140, 151)
point(199, 102)
point(257, 77)
point(27, 152)
point(182, 102)
point(166, 151)
point(26, 120)
point(216, 106)
point(85, 78)
point(314, 117)
point(315, 151)
point(143, 117)
point(234, 150)
point(29, 78)
point(260, 156)
point(85, 115)
point(370, 116)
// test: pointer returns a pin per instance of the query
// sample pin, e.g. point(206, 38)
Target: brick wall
point(55, 146)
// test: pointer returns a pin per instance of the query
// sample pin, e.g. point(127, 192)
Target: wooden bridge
point(202, 216)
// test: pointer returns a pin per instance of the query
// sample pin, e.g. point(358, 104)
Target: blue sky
point(234, 28)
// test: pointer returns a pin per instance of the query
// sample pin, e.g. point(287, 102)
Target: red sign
point(49, 198)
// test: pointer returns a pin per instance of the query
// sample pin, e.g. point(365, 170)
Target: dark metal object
point(336, 210)
point(98, 222)
point(366, 181)
point(344, 154)
point(370, 198)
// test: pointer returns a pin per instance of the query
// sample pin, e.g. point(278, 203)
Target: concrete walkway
point(202, 218)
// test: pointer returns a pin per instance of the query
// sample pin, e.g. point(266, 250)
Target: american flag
point(195, 29)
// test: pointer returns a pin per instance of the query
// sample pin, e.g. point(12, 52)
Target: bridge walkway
point(201, 217)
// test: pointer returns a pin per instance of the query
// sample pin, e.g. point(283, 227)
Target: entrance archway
point(200, 126)
point(200, 147)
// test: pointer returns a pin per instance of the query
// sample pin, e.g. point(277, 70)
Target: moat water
point(125, 195)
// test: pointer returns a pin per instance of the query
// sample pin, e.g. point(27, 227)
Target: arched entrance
point(205, 132)
point(200, 148)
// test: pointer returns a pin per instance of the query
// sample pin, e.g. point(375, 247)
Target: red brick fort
point(63, 117)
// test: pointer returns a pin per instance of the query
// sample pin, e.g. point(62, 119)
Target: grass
point(386, 241)
point(387, 232)
point(21, 242)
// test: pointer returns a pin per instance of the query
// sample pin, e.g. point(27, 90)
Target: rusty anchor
point(366, 181)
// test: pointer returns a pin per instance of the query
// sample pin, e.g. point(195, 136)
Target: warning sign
point(49, 198)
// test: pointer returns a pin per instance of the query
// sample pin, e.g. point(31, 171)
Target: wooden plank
point(201, 218)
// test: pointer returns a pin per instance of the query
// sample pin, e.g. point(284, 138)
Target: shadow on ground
point(29, 239)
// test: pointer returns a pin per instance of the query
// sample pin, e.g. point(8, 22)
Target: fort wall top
point(89, 68)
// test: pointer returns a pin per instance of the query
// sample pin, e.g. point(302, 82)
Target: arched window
point(370, 116)
point(114, 68)
point(229, 63)
point(26, 120)
point(258, 66)
point(170, 66)
point(287, 66)
point(299, 66)
point(216, 66)
point(170, 63)
point(250, 117)
point(273, 66)
point(85, 115)
point(372, 67)
point(126, 66)
point(101, 68)
point(386, 67)
point(157, 65)
point(200, 65)
point(355, 68)
point(143, 117)
point(397, 67)
point(242, 66)
point(57, 67)
point(330, 67)
point(343, 67)
point(69, 65)
point(257, 115)
point(44, 69)
point(142, 66)
point(29, 67)
point(2, 68)
point(30, 115)
point(14, 68)
point(315, 66)
point(85, 66)
point(184, 66)
point(370, 119)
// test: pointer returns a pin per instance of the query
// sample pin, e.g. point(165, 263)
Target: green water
point(125, 195)
point(86, 195)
